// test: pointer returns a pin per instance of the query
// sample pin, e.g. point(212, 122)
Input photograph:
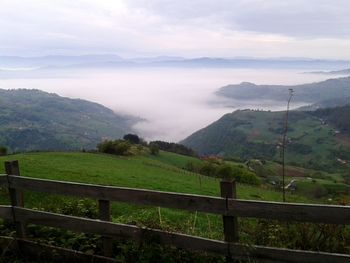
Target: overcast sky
point(190, 28)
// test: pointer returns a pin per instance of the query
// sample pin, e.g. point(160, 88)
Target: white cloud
point(190, 28)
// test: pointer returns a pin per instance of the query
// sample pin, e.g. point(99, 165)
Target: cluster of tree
point(173, 147)
point(221, 169)
point(3, 151)
point(117, 147)
point(135, 139)
point(122, 147)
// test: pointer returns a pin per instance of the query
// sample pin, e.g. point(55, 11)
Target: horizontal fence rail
point(227, 206)
point(333, 214)
point(239, 251)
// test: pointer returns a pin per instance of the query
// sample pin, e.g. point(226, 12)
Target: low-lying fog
point(173, 102)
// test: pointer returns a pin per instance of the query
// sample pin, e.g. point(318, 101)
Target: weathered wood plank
point(228, 191)
point(122, 194)
point(236, 207)
point(16, 195)
point(238, 251)
point(230, 224)
point(105, 215)
point(332, 214)
point(6, 212)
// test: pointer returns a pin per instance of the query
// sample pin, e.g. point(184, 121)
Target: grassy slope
point(258, 128)
point(136, 171)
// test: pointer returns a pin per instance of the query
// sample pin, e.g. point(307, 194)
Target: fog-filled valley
point(172, 102)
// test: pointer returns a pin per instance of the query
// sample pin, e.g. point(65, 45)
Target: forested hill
point(35, 120)
point(314, 140)
point(339, 117)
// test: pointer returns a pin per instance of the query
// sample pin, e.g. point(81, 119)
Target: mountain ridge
point(170, 61)
point(309, 93)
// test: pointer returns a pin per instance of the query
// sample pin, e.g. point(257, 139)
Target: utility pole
point(284, 143)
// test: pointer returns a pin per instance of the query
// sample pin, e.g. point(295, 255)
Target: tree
point(3, 151)
point(132, 138)
point(225, 171)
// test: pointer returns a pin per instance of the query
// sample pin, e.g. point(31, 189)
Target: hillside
point(247, 134)
point(337, 116)
point(331, 103)
point(35, 120)
point(311, 93)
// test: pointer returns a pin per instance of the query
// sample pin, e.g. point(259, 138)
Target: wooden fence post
point(16, 196)
point(105, 215)
point(228, 190)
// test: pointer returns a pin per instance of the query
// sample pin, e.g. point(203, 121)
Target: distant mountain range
point(111, 61)
point(334, 72)
point(309, 93)
point(35, 120)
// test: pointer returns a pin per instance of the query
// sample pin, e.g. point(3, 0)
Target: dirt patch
point(293, 172)
point(343, 139)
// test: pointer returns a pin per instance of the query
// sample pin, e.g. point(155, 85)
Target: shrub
point(117, 147)
point(242, 175)
point(154, 149)
point(208, 169)
point(224, 171)
point(3, 151)
point(174, 147)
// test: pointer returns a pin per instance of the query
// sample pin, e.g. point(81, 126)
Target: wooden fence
point(227, 205)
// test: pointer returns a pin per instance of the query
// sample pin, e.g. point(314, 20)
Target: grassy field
point(160, 172)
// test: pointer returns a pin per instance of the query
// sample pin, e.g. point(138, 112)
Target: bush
point(174, 147)
point(208, 169)
point(304, 236)
point(117, 147)
point(224, 171)
point(154, 149)
point(3, 151)
point(221, 169)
